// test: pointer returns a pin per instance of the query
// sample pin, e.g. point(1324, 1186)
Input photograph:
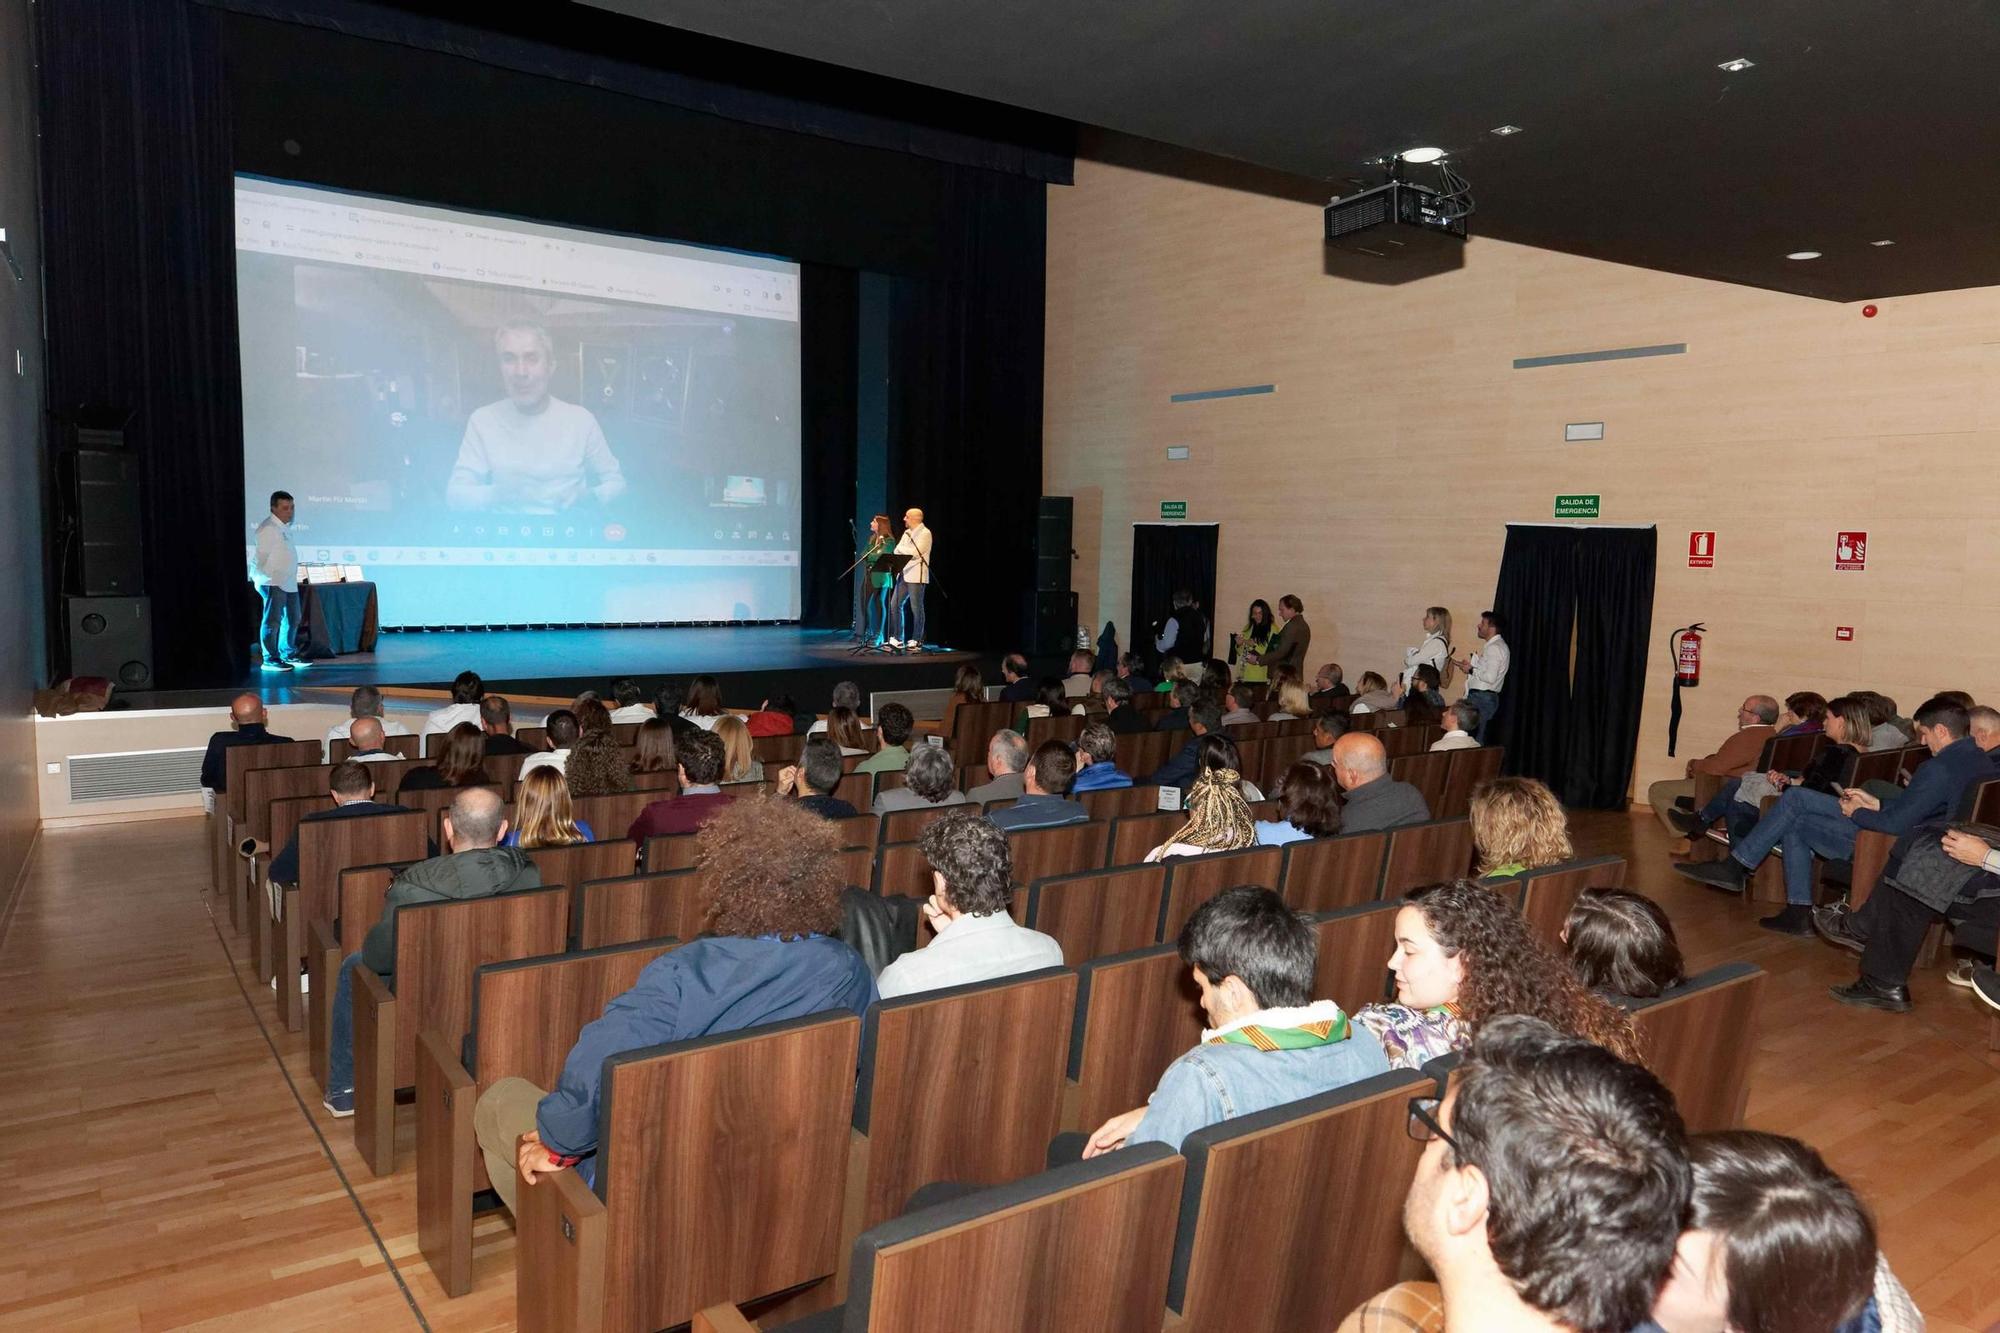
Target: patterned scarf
point(1328, 1026)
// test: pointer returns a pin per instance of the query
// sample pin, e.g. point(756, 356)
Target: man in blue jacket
point(1811, 823)
point(1097, 761)
point(772, 956)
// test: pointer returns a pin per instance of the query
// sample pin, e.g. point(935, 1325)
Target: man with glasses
point(1735, 757)
point(1549, 1195)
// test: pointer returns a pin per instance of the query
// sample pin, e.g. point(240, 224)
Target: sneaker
point(1961, 973)
point(1986, 985)
point(1720, 835)
point(1726, 874)
point(893, 643)
point(1868, 995)
point(1835, 925)
point(339, 1105)
point(277, 666)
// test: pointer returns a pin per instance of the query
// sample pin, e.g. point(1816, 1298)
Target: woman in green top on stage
point(1251, 643)
point(880, 542)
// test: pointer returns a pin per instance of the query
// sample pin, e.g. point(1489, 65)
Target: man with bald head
point(246, 727)
point(352, 788)
point(364, 739)
point(475, 867)
point(1735, 757)
point(911, 582)
point(1374, 799)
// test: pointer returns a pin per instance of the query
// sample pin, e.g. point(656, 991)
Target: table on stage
point(340, 618)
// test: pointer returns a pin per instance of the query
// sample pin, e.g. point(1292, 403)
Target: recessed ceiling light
point(1737, 66)
point(1504, 130)
point(1803, 254)
point(1881, 242)
point(1419, 156)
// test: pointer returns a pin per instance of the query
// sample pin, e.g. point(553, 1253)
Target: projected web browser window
point(508, 421)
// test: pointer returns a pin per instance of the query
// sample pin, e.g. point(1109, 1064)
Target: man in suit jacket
point(352, 786)
point(1735, 757)
point(246, 720)
point(700, 771)
point(1288, 646)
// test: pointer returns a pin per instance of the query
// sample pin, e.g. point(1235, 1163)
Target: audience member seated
point(1735, 757)
point(364, 740)
point(563, 729)
point(770, 955)
point(893, 728)
point(1078, 682)
point(668, 701)
point(968, 688)
point(352, 787)
point(704, 702)
point(1293, 703)
point(1329, 690)
point(543, 814)
point(1887, 731)
point(629, 701)
point(843, 726)
point(1268, 1041)
point(1006, 756)
point(1205, 716)
point(1016, 687)
point(972, 873)
point(1464, 956)
point(1181, 699)
point(475, 867)
point(1374, 696)
point(1171, 668)
point(1984, 727)
point(1120, 715)
point(700, 798)
point(927, 781)
point(1308, 807)
point(1804, 714)
point(1218, 819)
point(1776, 1241)
point(466, 692)
point(1549, 1195)
point(1132, 670)
point(775, 717)
point(1740, 800)
point(1242, 700)
point(1461, 725)
point(1045, 799)
point(1422, 700)
point(846, 695)
point(246, 727)
point(1374, 799)
point(597, 765)
point(1622, 945)
point(366, 701)
point(1097, 760)
point(1518, 825)
point(496, 723)
point(813, 779)
point(1051, 700)
point(1808, 823)
point(1216, 750)
point(653, 748)
point(1328, 728)
point(458, 763)
point(1938, 871)
point(739, 757)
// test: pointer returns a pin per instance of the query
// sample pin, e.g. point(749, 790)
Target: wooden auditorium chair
point(1698, 1038)
point(1320, 874)
point(1420, 854)
point(1545, 896)
point(1094, 913)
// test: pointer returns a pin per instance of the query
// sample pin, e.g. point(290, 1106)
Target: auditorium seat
point(1354, 948)
point(1545, 896)
point(1056, 851)
point(909, 825)
point(1117, 802)
point(1093, 913)
point(1135, 1013)
point(1428, 773)
point(1469, 768)
point(900, 868)
point(1427, 853)
point(358, 896)
point(1321, 874)
point(1698, 1038)
point(1132, 836)
point(1193, 880)
point(339, 748)
point(579, 861)
point(627, 908)
point(327, 847)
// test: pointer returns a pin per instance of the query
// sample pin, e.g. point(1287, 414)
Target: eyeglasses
point(1423, 1124)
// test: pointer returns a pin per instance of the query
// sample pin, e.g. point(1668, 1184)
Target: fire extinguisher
point(1687, 675)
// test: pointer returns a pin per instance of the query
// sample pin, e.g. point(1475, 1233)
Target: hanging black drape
point(828, 314)
point(1579, 609)
point(1167, 557)
point(139, 236)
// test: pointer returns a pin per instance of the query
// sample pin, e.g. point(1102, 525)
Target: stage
point(751, 662)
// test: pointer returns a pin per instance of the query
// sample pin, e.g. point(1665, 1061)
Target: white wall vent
point(116, 777)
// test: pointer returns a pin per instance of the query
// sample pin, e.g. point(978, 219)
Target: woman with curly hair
point(596, 766)
point(1464, 955)
point(1218, 818)
point(1518, 825)
point(771, 955)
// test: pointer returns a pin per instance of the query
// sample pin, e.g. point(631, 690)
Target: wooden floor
point(167, 1163)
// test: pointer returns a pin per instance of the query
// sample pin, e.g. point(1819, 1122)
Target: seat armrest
point(559, 1272)
point(447, 1161)
point(722, 1319)
point(323, 960)
point(374, 1071)
point(1871, 858)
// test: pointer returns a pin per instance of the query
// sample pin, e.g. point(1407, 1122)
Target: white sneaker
point(893, 643)
point(1961, 973)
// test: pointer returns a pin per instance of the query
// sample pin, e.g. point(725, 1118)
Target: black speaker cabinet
point(112, 637)
point(109, 563)
point(1051, 627)
point(1054, 532)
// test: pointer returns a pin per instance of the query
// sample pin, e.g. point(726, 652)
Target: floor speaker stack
point(110, 618)
point(1050, 613)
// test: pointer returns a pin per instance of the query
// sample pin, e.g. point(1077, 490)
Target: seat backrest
point(778, 749)
point(287, 812)
point(1280, 753)
point(667, 851)
point(1876, 766)
point(1354, 948)
point(238, 760)
point(973, 725)
point(579, 861)
point(526, 1013)
point(857, 789)
point(1132, 836)
point(535, 738)
point(1545, 896)
point(1699, 1038)
point(1028, 1257)
point(1468, 769)
point(1141, 753)
point(651, 906)
point(900, 867)
point(261, 786)
point(439, 946)
point(1116, 802)
point(1193, 880)
point(889, 780)
point(857, 867)
point(1425, 854)
point(358, 896)
point(1135, 1014)
point(1426, 772)
point(1060, 727)
point(1326, 1177)
point(1913, 758)
point(329, 846)
point(1790, 754)
point(862, 830)
point(1058, 851)
point(610, 815)
point(909, 825)
point(689, 1226)
point(1321, 874)
point(1094, 913)
point(340, 747)
point(1979, 803)
point(432, 800)
point(1001, 1047)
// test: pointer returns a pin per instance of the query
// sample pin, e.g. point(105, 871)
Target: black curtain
point(1578, 602)
point(1167, 557)
point(1614, 627)
point(829, 322)
point(138, 225)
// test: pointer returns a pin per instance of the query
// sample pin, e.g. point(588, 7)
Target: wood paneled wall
point(1786, 420)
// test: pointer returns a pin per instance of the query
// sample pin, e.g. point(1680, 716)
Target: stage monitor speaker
point(112, 637)
point(110, 563)
point(1051, 627)
point(1054, 532)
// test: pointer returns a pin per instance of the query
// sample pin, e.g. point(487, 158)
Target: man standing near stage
point(275, 571)
point(911, 582)
point(531, 452)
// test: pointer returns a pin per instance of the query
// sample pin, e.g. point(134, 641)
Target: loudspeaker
point(1055, 522)
point(1051, 623)
point(107, 523)
point(112, 637)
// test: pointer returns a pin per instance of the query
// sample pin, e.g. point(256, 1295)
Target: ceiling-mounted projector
point(1396, 220)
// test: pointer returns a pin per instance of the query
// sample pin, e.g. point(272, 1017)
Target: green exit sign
point(1576, 506)
point(1173, 509)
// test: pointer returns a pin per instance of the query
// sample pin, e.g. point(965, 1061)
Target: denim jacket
point(1212, 1083)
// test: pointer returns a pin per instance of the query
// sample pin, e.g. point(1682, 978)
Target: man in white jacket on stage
point(910, 584)
point(275, 571)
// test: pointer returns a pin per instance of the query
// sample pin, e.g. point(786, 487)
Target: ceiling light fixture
point(1420, 156)
point(1803, 254)
point(1504, 130)
point(1737, 66)
point(1881, 242)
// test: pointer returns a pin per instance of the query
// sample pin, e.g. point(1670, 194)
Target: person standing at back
point(1486, 671)
point(275, 571)
point(1288, 647)
point(1435, 650)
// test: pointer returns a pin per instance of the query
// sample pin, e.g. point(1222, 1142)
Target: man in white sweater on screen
point(275, 571)
point(911, 583)
point(531, 453)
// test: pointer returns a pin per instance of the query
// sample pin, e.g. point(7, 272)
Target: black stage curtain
point(1166, 557)
point(1576, 600)
point(829, 304)
point(139, 236)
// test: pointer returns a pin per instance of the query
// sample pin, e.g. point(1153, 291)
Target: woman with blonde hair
point(543, 813)
point(1518, 825)
point(739, 759)
point(1435, 648)
point(1218, 818)
point(1293, 703)
point(1171, 668)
